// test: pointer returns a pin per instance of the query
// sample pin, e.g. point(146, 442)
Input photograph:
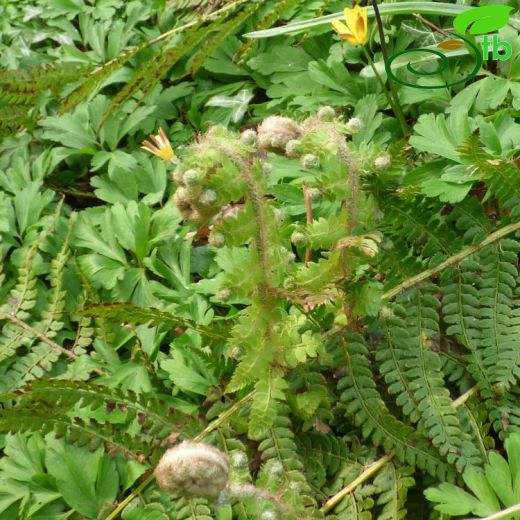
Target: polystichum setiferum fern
point(356, 344)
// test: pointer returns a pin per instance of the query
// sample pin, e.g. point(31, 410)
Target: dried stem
point(338, 497)
point(452, 260)
point(378, 464)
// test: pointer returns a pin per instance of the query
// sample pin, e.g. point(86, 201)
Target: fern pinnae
point(42, 356)
point(194, 509)
point(498, 313)
point(392, 366)
point(473, 417)
point(75, 430)
point(392, 484)
point(152, 415)
point(95, 79)
point(23, 86)
point(266, 22)
point(22, 297)
point(363, 402)
point(441, 417)
point(224, 31)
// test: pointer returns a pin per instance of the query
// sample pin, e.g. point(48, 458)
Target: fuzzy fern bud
point(248, 137)
point(217, 239)
point(223, 294)
point(383, 161)
point(298, 239)
point(267, 168)
point(275, 132)
point(208, 197)
point(290, 257)
point(354, 125)
point(326, 113)
point(278, 215)
point(293, 148)
point(314, 193)
point(274, 468)
point(193, 470)
point(269, 515)
point(178, 174)
point(196, 217)
point(192, 177)
point(181, 198)
point(238, 459)
point(310, 161)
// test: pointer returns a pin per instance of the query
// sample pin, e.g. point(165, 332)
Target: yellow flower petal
point(161, 147)
point(340, 28)
point(351, 16)
point(356, 29)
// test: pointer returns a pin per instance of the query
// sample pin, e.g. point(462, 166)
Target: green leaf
point(86, 480)
point(386, 9)
point(188, 372)
point(498, 475)
point(482, 20)
point(478, 483)
point(441, 136)
point(451, 499)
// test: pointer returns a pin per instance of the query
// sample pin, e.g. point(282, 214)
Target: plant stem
point(378, 464)
point(452, 260)
point(504, 513)
point(398, 110)
point(465, 396)
point(338, 497)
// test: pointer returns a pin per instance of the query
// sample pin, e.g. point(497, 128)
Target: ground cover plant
point(244, 275)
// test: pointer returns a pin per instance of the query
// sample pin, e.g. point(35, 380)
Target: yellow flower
point(355, 28)
point(162, 147)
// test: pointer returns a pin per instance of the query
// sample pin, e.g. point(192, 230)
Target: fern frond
point(75, 430)
point(33, 365)
point(268, 21)
point(95, 79)
point(499, 313)
point(13, 118)
point(363, 402)
point(282, 469)
point(392, 484)
point(421, 325)
point(128, 313)
point(23, 86)
point(269, 391)
point(224, 31)
point(152, 416)
point(195, 509)
point(21, 299)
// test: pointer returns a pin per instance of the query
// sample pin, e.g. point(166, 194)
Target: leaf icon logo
point(482, 20)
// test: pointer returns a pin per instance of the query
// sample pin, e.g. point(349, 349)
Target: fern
point(282, 470)
point(224, 31)
point(42, 356)
point(193, 510)
point(363, 402)
point(23, 86)
point(392, 486)
point(75, 430)
point(150, 414)
point(424, 371)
